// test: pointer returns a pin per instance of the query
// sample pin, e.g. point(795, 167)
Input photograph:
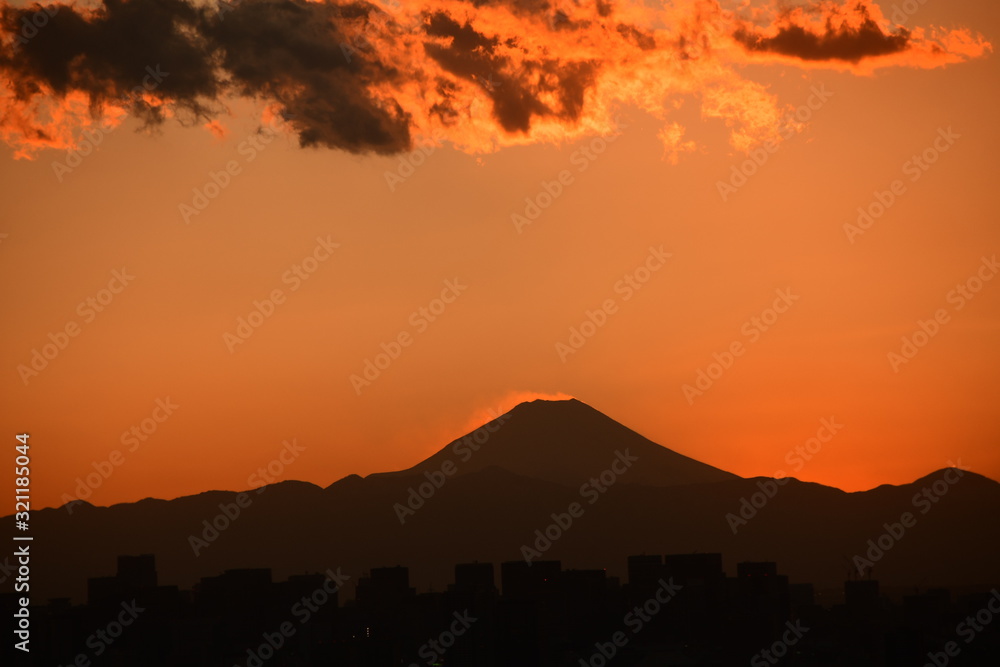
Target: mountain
point(530, 467)
point(566, 442)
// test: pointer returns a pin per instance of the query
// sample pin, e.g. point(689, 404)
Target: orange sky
point(391, 246)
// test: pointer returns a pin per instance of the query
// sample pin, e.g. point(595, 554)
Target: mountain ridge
point(708, 474)
point(488, 512)
point(808, 529)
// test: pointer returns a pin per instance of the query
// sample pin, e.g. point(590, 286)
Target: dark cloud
point(294, 53)
point(521, 6)
point(640, 38)
point(285, 51)
point(515, 95)
point(348, 75)
point(106, 56)
point(850, 44)
point(472, 55)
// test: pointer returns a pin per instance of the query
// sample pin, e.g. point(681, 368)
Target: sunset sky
point(507, 168)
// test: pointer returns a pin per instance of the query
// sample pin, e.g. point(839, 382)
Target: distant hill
point(531, 466)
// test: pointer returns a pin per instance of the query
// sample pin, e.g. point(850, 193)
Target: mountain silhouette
point(531, 466)
point(566, 442)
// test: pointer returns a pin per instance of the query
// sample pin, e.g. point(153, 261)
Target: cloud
point(379, 78)
point(291, 53)
point(835, 42)
point(853, 36)
point(217, 129)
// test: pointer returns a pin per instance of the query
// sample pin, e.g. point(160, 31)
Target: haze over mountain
point(489, 508)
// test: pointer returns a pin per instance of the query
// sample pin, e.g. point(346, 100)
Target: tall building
point(694, 568)
point(644, 572)
point(138, 571)
point(861, 594)
point(384, 587)
point(525, 580)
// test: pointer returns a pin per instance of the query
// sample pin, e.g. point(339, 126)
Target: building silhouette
point(674, 609)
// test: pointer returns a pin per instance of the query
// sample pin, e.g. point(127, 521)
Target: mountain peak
point(556, 408)
point(550, 402)
point(568, 442)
